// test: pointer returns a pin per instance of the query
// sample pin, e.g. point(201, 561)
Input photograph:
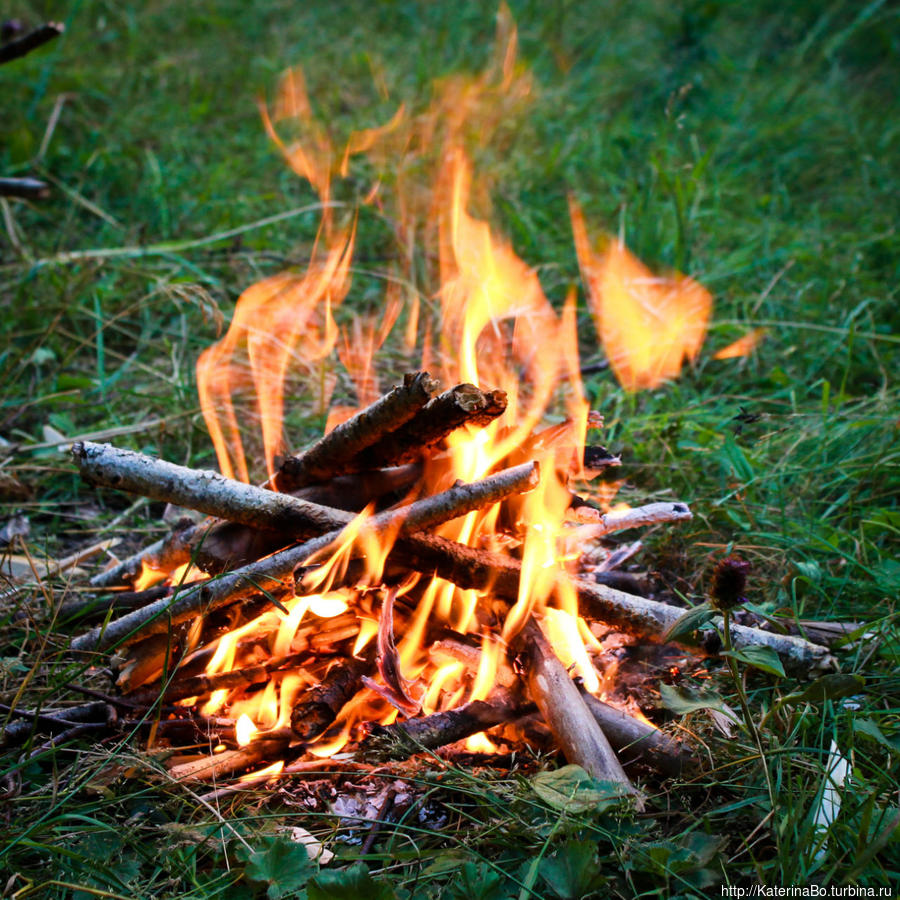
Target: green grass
point(755, 146)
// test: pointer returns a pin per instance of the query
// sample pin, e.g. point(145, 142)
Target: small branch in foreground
point(22, 46)
point(27, 188)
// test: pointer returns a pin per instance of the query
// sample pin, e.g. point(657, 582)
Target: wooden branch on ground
point(228, 762)
point(57, 720)
point(331, 455)
point(274, 573)
point(639, 742)
point(22, 46)
point(577, 733)
point(27, 188)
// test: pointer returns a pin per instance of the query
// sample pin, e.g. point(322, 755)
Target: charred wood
point(320, 706)
point(425, 433)
point(24, 45)
point(403, 739)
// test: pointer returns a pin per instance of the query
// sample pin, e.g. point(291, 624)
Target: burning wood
point(333, 454)
point(403, 739)
point(579, 736)
point(320, 706)
point(301, 554)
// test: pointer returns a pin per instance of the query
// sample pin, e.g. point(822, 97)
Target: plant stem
point(745, 706)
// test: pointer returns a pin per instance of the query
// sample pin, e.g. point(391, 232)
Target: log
point(639, 742)
point(426, 432)
point(471, 568)
point(404, 739)
point(274, 574)
point(217, 545)
point(119, 602)
point(165, 554)
point(21, 46)
point(230, 544)
point(577, 733)
point(332, 454)
point(319, 707)
point(208, 492)
point(629, 737)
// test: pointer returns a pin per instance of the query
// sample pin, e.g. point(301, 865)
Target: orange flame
point(743, 346)
point(283, 320)
point(648, 324)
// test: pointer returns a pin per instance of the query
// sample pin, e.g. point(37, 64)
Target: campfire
point(432, 572)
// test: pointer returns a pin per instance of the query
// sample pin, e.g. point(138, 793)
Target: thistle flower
point(728, 583)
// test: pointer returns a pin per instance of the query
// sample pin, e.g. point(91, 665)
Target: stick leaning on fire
point(410, 422)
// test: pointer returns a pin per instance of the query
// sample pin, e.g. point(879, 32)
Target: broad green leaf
point(280, 864)
point(478, 881)
point(869, 728)
point(682, 701)
point(689, 622)
point(738, 460)
point(570, 788)
point(828, 687)
point(352, 883)
point(763, 658)
point(573, 871)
